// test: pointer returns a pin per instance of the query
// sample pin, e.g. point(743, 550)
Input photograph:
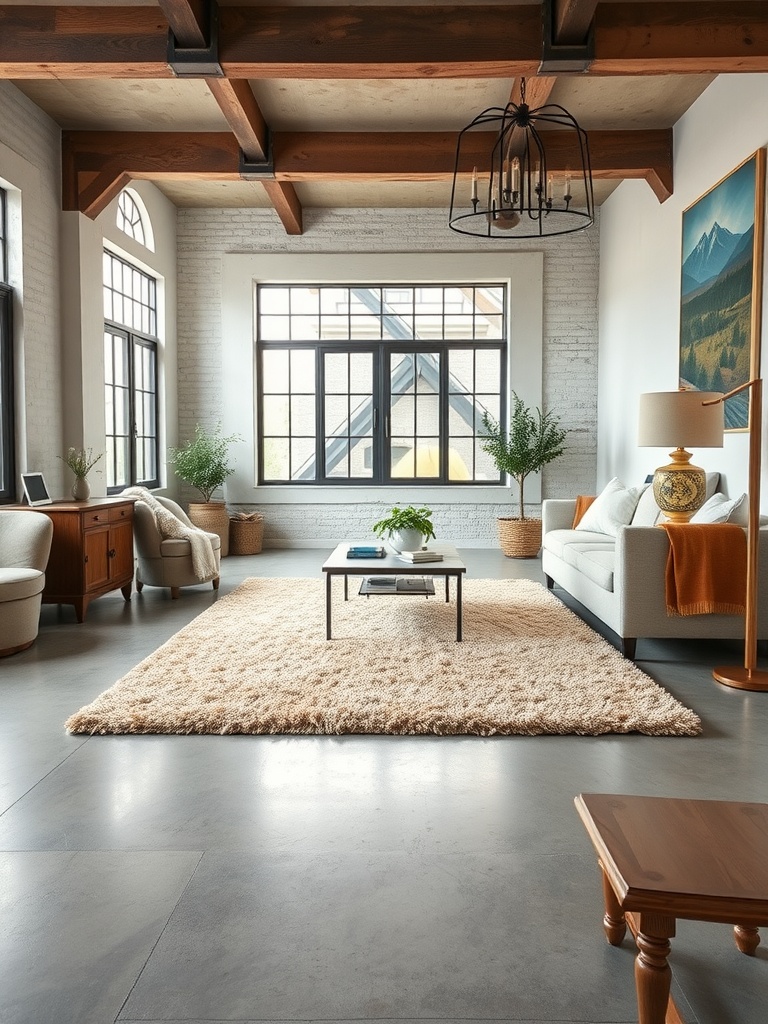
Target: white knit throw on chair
point(203, 560)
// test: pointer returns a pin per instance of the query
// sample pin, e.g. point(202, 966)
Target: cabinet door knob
point(111, 552)
point(86, 558)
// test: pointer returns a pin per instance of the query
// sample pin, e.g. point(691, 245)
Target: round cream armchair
point(25, 544)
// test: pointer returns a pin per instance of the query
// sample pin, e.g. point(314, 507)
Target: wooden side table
point(91, 552)
point(663, 859)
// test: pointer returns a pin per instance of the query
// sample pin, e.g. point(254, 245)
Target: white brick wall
point(570, 343)
point(30, 161)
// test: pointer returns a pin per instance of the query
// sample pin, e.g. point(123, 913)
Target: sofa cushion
point(18, 584)
point(613, 507)
point(595, 561)
point(557, 541)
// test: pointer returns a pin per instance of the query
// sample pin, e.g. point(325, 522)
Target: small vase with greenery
point(81, 461)
point(534, 439)
point(203, 463)
point(406, 528)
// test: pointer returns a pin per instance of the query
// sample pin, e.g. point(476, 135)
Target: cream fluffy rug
point(257, 662)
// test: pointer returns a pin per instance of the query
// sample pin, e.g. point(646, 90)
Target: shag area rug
point(257, 661)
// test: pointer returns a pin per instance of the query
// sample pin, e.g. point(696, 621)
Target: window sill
point(287, 494)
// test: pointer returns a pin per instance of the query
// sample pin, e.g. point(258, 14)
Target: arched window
point(133, 219)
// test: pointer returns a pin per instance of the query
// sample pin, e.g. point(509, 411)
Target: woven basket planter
point(245, 536)
point(520, 538)
point(212, 516)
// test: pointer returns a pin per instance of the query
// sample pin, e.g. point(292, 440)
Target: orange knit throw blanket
point(706, 569)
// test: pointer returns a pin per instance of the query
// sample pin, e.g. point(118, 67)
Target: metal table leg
point(447, 591)
point(328, 606)
point(458, 606)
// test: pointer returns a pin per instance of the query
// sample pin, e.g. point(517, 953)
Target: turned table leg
point(614, 922)
point(747, 938)
point(653, 976)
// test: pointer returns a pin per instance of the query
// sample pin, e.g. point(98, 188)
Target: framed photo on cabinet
point(721, 287)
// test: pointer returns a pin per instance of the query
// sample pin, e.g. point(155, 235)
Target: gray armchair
point(25, 544)
point(166, 561)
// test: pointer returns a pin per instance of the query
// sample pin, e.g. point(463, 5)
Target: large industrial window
point(378, 384)
point(7, 445)
point(130, 375)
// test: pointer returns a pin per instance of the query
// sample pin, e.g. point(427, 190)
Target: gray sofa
point(621, 579)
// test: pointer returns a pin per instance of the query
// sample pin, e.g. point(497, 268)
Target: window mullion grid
point(443, 406)
point(321, 471)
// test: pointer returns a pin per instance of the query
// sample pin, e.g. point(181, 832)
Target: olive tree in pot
point(203, 463)
point(532, 441)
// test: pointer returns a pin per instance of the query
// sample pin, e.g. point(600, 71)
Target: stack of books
point(417, 557)
point(366, 551)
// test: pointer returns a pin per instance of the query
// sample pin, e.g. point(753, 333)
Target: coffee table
point(337, 564)
point(663, 858)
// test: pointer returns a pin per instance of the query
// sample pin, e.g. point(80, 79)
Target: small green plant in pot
point(406, 528)
point(534, 439)
point(203, 463)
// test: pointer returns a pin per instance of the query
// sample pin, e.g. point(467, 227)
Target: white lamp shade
point(679, 419)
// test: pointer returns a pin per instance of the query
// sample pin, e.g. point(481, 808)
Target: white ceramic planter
point(406, 540)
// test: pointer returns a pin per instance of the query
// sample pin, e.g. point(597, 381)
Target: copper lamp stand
point(750, 677)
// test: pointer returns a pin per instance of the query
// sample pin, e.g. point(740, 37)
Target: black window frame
point(134, 340)
point(381, 474)
point(7, 418)
point(7, 388)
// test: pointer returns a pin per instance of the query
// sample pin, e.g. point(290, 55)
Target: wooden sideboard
point(91, 552)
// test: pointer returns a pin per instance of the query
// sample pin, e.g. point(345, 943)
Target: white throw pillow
point(719, 509)
point(612, 508)
point(647, 512)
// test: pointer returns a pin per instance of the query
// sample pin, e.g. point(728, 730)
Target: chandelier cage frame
point(529, 210)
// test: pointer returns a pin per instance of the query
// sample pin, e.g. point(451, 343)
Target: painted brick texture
point(35, 139)
point(570, 344)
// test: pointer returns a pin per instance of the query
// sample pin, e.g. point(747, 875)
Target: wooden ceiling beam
point(364, 42)
point(243, 114)
point(282, 195)
point(83, 42)
point(335, 156)
point(188, 20)
point(571, 20)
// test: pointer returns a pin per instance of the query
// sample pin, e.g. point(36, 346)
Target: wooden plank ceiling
point(240, 51)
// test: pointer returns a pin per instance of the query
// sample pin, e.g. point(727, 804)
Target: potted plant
point(406, 528)
point(203, 463)
point(81, 461)
point(533, 441)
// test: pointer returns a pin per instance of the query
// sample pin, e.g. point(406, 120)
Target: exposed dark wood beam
point(571, 20)
point(336, 156)
point(385, 42)
point(676, 38)
point(83, 42)
point(239, 106)
point(537, 91)
point(188, 20)
point(282, 195)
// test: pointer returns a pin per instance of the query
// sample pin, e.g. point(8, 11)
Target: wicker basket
point(520, 538)
point(212, 516)
point(245, 536)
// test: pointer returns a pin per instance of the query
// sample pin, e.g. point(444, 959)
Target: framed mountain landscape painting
point(721, 296)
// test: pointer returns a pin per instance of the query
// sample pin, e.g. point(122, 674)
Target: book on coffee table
point(416, 557)
point(423, 585)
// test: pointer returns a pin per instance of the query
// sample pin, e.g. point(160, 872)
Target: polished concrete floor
point(349, 878)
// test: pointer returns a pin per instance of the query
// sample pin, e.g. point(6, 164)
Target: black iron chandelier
point(535, 183)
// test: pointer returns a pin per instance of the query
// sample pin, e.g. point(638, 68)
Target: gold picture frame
point(721, 287)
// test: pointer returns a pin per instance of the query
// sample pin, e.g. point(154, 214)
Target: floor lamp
point(750, 677)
